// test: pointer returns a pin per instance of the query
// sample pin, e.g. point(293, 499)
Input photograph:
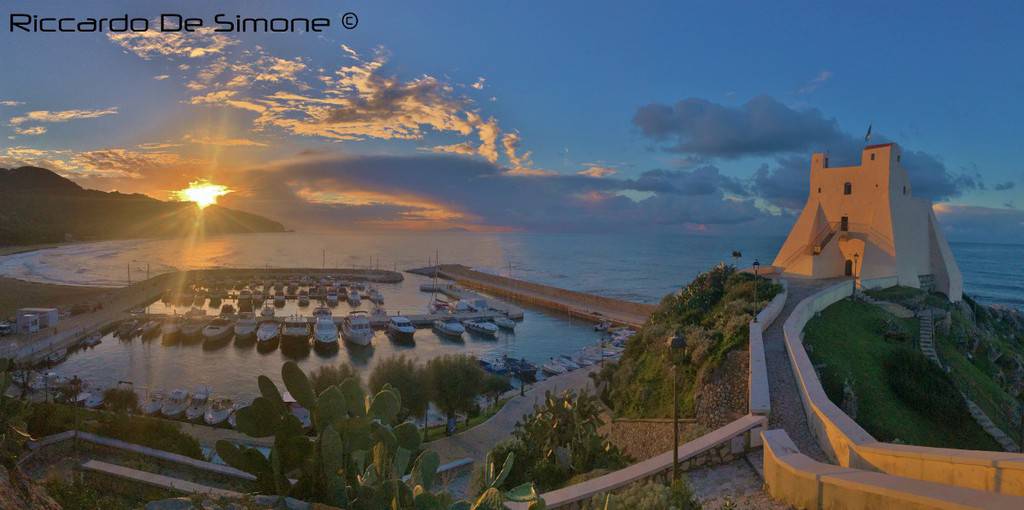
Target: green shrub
point(925, 387)
point(648, 496)
point(120, 400)
point(76, 495)
point(327, 376)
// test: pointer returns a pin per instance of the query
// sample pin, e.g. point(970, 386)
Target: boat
point(602, 326)
point(553, 367)
point(400, 328)
point(258, 297)
point(233, 416)
point(494, 366)
point(245, 299)
point(92, 340)
point(303, 298)
point(376, 296)
point(218, 411)
point(150, 329)
point(152, 404)
point(482, 328)
point(48, 381)
point(195, 312)
point(449, 327)
point(331, 298)
point(227, 309)
point(245, 328)
point(295, 328)
point(175, 404)
point(279, 300)
point(191, 329)
point(356, 328)
point(353, 298)
point(522, 369)
point(57, 356)
point(268, 332)
point(218, 329)
point(505, 323)
point(94, 400)
point(297, 410)
point(325, 331)
point(124, 331)
point(197, 407)
point(567, 362)
point(439, 306)
point(267, 310)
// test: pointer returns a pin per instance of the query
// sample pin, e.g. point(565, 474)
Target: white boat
point(94, 400)
point(191, 329)
point(268, 332)
point(295, 327)
point(602, 326)
point(332, 298)
point(482, 328)
point(303, 298)
point(553, 367)
point(152, 404)
point(218, 329)
point(218, 411)
point(267, 311)
point(233, 417)
point(356, 328)
point(449, 327)
point(376, 296)
point(197, 407)
point(150, 329)
point(463, 307)
point(567, 362)
point(171, 328)
point(325, 331)
point(57, 356)
point(353, 298)
point(298, 411)
point(175, 404)
point(246, 326)
point(505, 323)
point(400, 328)
point(279, 300)
point(92, 340)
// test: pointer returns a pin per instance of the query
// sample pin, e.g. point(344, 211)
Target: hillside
point(713, 313)
point(39, 206)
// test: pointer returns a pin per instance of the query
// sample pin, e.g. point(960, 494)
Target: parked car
point(6, 329)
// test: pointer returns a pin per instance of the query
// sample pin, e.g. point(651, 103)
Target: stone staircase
point(927, 339)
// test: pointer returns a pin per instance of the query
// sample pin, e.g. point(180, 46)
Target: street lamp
point(676, 344)
point(757, 266)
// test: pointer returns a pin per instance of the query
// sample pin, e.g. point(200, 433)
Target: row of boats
point(610, 348)
point(257, 294)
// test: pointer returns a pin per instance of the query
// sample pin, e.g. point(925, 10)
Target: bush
point(406, 376)
point(76, 495)
point(924, 387)
point(327, 376)
point(455, 382)
point(648, 496)
point(120, 400)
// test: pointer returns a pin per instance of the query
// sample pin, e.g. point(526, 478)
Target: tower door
point(849, 268)
point(844, 223)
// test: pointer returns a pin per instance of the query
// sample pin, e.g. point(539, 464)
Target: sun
point(203, 192)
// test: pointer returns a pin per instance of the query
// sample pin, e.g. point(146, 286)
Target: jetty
point(575, 304)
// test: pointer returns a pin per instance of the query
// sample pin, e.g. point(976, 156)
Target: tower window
point(872, 156)
point(844, 223)
point(847, 188)
point(826, 162)
point(819, 190)
point(898, 156)
point(904, 190)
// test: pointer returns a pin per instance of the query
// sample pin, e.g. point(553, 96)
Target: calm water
point(635, 267)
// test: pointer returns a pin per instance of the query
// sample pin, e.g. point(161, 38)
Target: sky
point(528, 116)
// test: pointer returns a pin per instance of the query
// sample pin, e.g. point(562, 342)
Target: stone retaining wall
point(849, 445)
point(760, 401)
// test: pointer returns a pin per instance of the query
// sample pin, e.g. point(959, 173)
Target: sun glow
point(203, 192)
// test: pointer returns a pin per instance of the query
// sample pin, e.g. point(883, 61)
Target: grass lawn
point(437, 432)
point(846, 342)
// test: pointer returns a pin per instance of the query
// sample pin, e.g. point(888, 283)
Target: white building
point(863, 221)
point(31, 320)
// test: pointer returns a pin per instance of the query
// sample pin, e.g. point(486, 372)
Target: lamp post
point(757, 266)
point(856, 256)
point(676, 344)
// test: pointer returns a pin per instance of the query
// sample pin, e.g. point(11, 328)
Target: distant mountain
point(39, 206)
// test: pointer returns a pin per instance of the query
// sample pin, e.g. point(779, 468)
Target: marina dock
point(575, 304)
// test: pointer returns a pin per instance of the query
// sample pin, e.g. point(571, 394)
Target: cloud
point(441, 191)
point(31, 131)
point(161, 77)
point(974, 223)
point(61, 116)
point(479, 83)
point(157, 145)
point(223, 142)
point(760, 127)
point(597, 171)
point(200, 43)
point(100, 163)
point(1003, 186)
point(705, 180)
point(816, 82)
point(10, 102)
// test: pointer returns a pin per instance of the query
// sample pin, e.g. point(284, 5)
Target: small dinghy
point(505, 323)
point(484, 328)
point(175, 404)
point(218, 412)
point(197, 408)
point(152, 404)
point(553, 367)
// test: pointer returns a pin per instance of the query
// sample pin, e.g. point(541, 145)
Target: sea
point(637, 267)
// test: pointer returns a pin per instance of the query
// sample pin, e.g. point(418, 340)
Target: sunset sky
point(535, 116)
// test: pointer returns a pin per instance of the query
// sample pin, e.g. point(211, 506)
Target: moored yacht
point(449, 327)
point(197, 407)
point(356, 328)
point(553, 367)
point(376, 296)
point(218, 329)
point(303, 298)
point(218, 411)
point(152, 404)
point(354, 299)
point(325, 331)
point(331, 297)
point(505, 323)
point(295, 328)
point(484, 328)
point(245, 328)
point(267, 311)
point(175, 404)
point(401, 329)
point(268, 332)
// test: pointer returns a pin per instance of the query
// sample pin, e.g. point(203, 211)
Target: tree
point(495, 386)
point(327, 376)
point(406, 376)
point(455, 381)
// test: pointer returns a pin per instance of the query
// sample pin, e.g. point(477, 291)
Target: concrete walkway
point(477, 441)
point(787, 407)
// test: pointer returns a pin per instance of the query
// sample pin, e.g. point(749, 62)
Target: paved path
point(734, 485)
point(787, 407)
point(477, 441)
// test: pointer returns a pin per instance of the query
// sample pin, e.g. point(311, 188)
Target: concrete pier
point(575, 304)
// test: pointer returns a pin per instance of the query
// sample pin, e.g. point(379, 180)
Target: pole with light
point(676, 344)
point(757, 266)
